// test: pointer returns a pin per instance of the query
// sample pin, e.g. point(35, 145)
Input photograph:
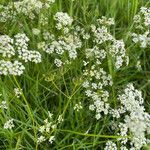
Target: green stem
point(111, 71)
point(69, 99)
point(59, 89)
point(95, 135)
point(26, 102)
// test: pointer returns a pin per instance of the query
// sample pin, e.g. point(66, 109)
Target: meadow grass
point(64, 88)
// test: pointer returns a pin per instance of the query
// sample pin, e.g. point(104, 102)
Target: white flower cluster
point(41, 139)
point(95, 83)
point(101, 34)
point(106, 21)
point(7, 13)
point(68, 44)
point(50, 1)
point(137, 121)
point(60, 119)
point(95, 52)
point(6, 46)
point(3, 105)
point(143, 39)
point(58, 62)
point(21, 42)
point(16, 47)
point(78, 106)
point(110, 146)
point(48, 128)
point(142, 23)
point(61, 47)
point(62, 20)
point(28, 8)
point(118, 51)
point(9, 68)
point(43, 20)
point(142, 19)
point(116, 48)
point(36, 31)
point(138, 65)
point(9, 124)
point(81, 31)
point(17, 92)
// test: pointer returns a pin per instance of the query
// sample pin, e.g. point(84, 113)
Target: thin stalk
point(95, 135)
point(26, 102)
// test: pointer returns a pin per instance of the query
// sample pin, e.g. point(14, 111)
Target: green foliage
point(63, 89)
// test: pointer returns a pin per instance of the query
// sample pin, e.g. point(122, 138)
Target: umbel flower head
point(63, 48)
point(63, 20)
point(16, 50)
point(141, 34)
point(9, 124)
point(29, 8)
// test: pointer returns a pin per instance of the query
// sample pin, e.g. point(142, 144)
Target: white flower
point(36, 31)
point(86, 36)
point(43, 20)
point(101, 35)
point(3, 105)
point(23, 52)
point(48, 36)
point(98, 116)
point(137, 19)
point(78, 106)
point(86, 84)
point(7, 67)
point(9, 124)
point(123, 148)
point(59, 26)
point(41, 45)
point(21, 41)
point(18, 92)
point(143, 39)
point(66, 30)
point(54, 126)
point(50, 1)
point(91, 107)
point(117, 50)
point(136, 120)
point(105, 21)
point(51, 139)
point(50, 115)
point(35, 57)
point(63, 19)
point(28, 7)
point(138, 65)
point(115, 113)
point(110, 146)
point(6, 46)
point(58, 62)
point(17, 68)
point(41, 139)
point(88, 93)
point(42, 129)
point(60, 119)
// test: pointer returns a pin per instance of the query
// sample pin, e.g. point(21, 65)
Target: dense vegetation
point(74, 74)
